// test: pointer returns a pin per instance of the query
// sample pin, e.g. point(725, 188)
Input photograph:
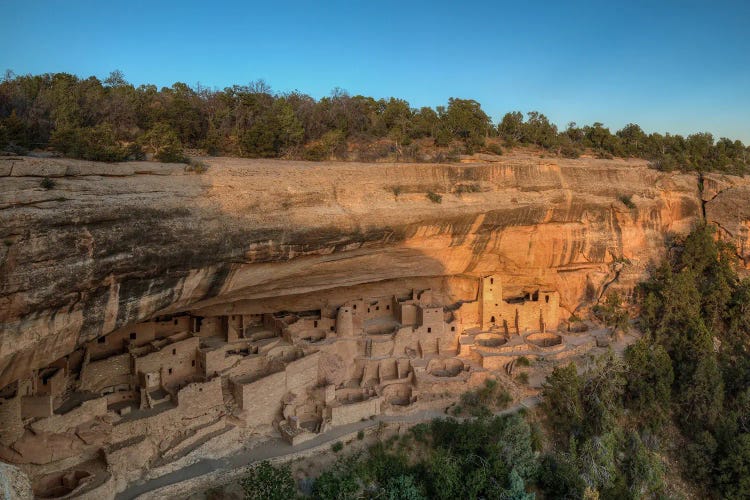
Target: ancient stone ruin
point(149, 393)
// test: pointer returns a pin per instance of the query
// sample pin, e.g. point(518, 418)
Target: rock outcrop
point(112, 244)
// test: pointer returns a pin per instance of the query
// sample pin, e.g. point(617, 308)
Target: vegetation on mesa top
point(112, 120)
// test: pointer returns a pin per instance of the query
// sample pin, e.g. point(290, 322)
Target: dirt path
point(277, 448)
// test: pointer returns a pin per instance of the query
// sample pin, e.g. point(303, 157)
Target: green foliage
point(649, 377)
point(465, 120)
point(480, 401)
point(434, 197)
point(360, 435)
point(337, 484)
point(561, 395)
point(494, 148)
point(695, 312)
point(197, 166)
point(478, 458)
point(89, 143)
point(402, 488)
point(467, 188)
point(337, 446)
point(559, 476)
point(251, 120)
point(626, 200)
point(163, 142)
point(643, 469)
point(47, 184)
point(269, 482)
point(613, 313)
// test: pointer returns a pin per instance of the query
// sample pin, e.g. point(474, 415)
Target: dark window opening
point(101, 340)
point(354, 306)
point(453, 328)
point(193, 363)
point(315, 324)
point(175, 322)
point(132, 335)
point(492, 281)
point(169, 371)
point(377, 308)
point(492, 319)
point(174, 351)
point(546, 298)
point(429, 330)
point(333, 328)
point(368, 309)
point(387, 308)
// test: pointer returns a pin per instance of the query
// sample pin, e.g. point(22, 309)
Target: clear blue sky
point(671, 65)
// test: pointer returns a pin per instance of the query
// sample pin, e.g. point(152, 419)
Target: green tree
point(403, 488)
point(466, 121)
point(601, 394)
point(163, 142)
point(561, 399)
point(517, 489)
point(269, 482)
point(613, 313)
point(649, 377)
point(511, 127)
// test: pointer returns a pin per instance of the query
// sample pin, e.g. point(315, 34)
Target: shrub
point(197, 166)
point(89, 143)
point(337, 446)
point(396, 190)
point(163, 142)
point(135, 152)
point(467, 188)
point(442, 157)
point(269, 482)
point(376, 151)
point(361, 435)
point(494, 148)
point(522, 378)
point(434, 197)
point(315, 152)
point(626, 200)
point(523, 361)
point(478, 402)
point(47, 183)
point(570, 151)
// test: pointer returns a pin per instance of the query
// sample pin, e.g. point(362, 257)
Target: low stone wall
point(36, 406)
point(11, 426)
point(354, 412)
point(97, 375)
point(195, 398)
point(185, 488)
point(192, 440)
point(261, 399)
point(88, 410)
point(302, 373)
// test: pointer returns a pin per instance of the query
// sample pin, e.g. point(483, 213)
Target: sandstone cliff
point(112, 244)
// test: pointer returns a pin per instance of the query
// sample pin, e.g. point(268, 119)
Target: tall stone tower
point(344, 322)
point(491, 299)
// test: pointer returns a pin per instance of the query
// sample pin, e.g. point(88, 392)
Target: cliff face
point(114, 244)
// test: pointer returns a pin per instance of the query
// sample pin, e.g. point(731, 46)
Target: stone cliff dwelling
point(149, 393)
